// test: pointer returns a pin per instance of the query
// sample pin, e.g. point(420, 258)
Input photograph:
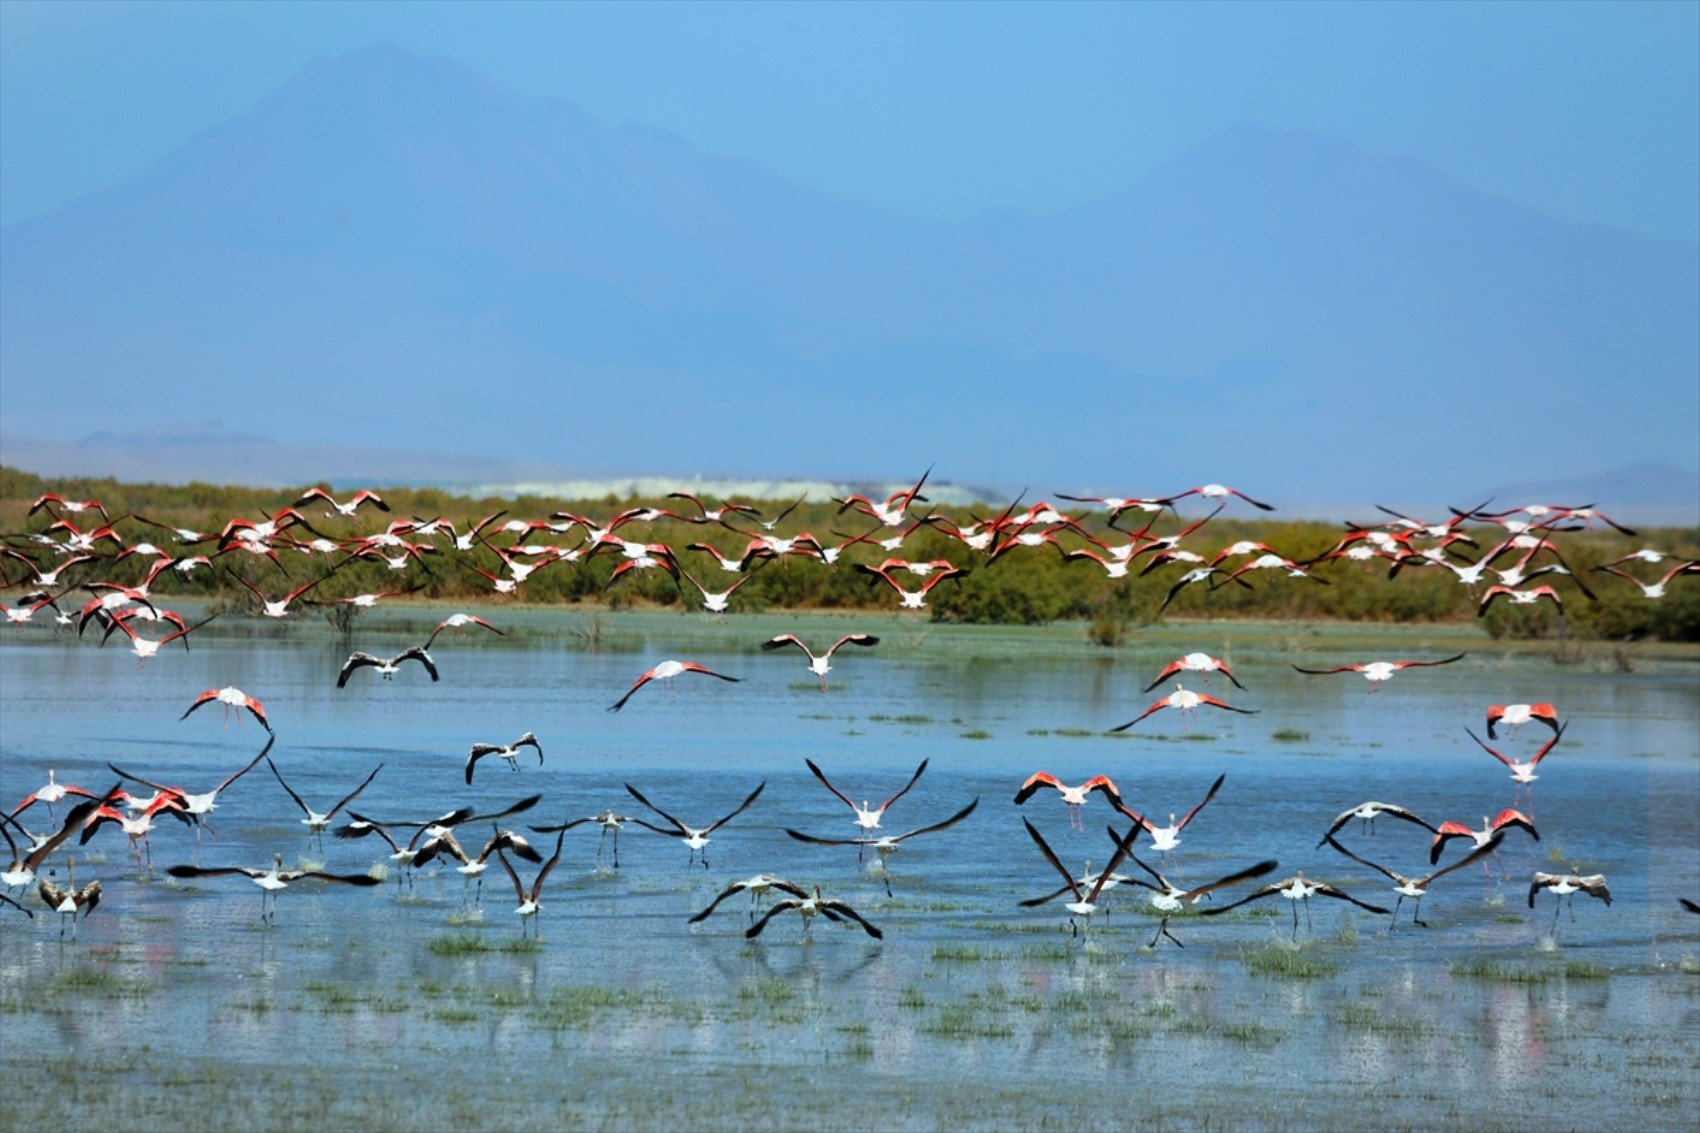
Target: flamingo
point(198, 807)
point(137, 828)
point(1085, 901)
point(1655, 590)
point(1296, 889)
point(531, 900)
point(756, 887)
point(666, 671)
point(70, 507)
point(1075, 797)
point(608, 820)
point(472, 869)
point(69, 901)
point(867, 817)
point(231, 697)
point(1492, 831)
point(347, 510)
point(315, 821)
point(1219, 492)
point(822, 665)
point(890, 513)
point(1378, 672)
point(280, 608)
point(913, 599)
point(1187, 702)
point(731, 566)
point(1367, 813)
point(1568, 885)
point(1201, 663)
point(1416, 888)
point(28, 606)
point(1116, 505)
point(714, 602)
point(46, 579)
point(1518, 597)
point(1513, 715)
point(22, 869)
point(1168, 898)
point(460, 622)
point(1164, 839)
point(715, 515)
point(50, 794)
point(386, 668)
point(885, 844)
point(509, 752)
point(696, 838)
point(811, 907)
point(1522, 773)
point(272, 881)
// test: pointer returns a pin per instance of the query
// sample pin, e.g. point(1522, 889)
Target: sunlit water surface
point(403, 1005)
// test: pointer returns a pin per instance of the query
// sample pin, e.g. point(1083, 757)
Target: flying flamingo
point(811, 907)
point(1164, 839)
point(1416, 888)
point(50, 794)
point(1085, 901)
point(757, 887)
point(316, 822)
point(1296, 889)
point(608, 820)
point(822, 665)
point(885, 844)
point(509, 752)
point(696, 838)
point(1568, 885)
point(714, 602)
point(1491, 832)
point(280, 608)
point(666, 671)
point(460, 622)
point(1367, 813)
point(231, 697)
point(1219, 492)
point(1377, 672)
point(1513, 715)
point(197, 807)
point(531, 900)
point(1193, 663)
point(1187, 702)
point(386, 668)
point(1075, 797)
point(913, 599)
point(1518, 597)
point(347, 510)
point(471, 868)
point(274, 880)
point(70, 901)
point(867, 817)
point(1655, 590)
point(1168, 898)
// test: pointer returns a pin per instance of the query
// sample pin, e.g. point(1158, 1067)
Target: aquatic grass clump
point(579, 1005)
point(976, 734)
point(911, 998)
point(1482, 968)
point(959, 954)
point(1276, 961)
point(964, 1021)
point(466, 944)
point(1289, 735)
point(772, 991)
point(1075, 733)
point(99, 981)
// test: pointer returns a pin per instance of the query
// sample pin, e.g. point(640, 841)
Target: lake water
point(398, 1007)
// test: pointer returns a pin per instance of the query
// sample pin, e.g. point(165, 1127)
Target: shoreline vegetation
point(1034, 587)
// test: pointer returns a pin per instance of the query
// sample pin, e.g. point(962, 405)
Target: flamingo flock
point(407, 545)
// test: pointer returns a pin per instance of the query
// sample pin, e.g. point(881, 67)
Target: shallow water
point(362, 1004)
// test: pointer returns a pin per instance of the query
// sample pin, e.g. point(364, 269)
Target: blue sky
point(1589, 111)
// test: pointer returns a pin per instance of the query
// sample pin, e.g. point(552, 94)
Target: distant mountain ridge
point(396, 252)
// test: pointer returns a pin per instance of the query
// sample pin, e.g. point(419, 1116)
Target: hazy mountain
point(393, 252)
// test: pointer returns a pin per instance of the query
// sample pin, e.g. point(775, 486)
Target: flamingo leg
point(1394, 919)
